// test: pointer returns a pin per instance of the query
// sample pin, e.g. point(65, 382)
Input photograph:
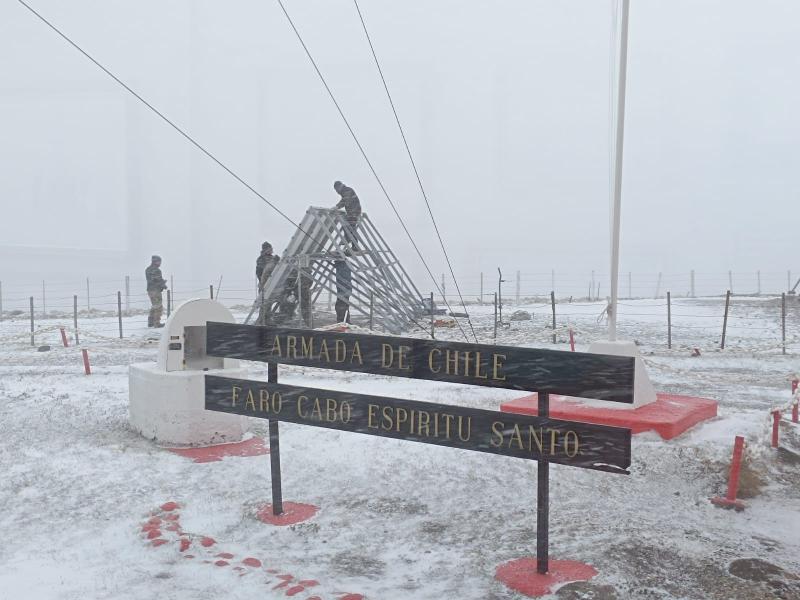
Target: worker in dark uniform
point(265, 265)
point(155, 287)
point(344, 286)
point(352, 208)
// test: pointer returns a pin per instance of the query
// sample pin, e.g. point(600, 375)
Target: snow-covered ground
point(397, 519)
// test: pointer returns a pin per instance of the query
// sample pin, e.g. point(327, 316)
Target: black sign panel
point(598, 376)
point(565, 442)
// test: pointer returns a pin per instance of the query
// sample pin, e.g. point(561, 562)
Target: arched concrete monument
point(167, 399)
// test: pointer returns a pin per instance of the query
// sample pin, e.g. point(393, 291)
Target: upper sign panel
point(598, 376)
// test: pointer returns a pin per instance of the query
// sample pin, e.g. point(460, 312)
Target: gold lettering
point(234, 395)
point(553, 440)
point(341, 350)
point(277, 402)
point(566, 444)
point(307, 349)
point(345, 405)
point(421, 424)
point(469, 429)
point(276, 345)
point(384, 349)
point(291, 346)
point(263, 404)
point(467, 356)
point(401, 415)
point(435, 424)
point(401, 354)
point(317, 410)
point(516, 435)
point(356, 353)
point(300, 400)
point(250, 401)
point(387, 418)
point(497, 430)
point(448, 361)
point(370, 415)
point(533, 438)
point(478, 366)
point(447, 420)
point(323, 349)
point(498, 364)
point(330, 410)
point(430, 360)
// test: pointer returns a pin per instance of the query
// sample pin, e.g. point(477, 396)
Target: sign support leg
point(543, 500)
point(274, 450)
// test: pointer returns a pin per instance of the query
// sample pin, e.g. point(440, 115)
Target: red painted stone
point(351, 597)
point(255, 446)
point(173, 527)
point(169, 506)
point(251, 562)
point(222, 563)
point(147, 527)
point(293, 512)
point(308, 582)
point(669, 415)
point(153, 534)
point(158, 542)
point(154, 521)
point(173, 517)
point(185, 545)
point(226, 555)
point(207, 542)
point(521, 576)
point(314, 598)
point(294, 590)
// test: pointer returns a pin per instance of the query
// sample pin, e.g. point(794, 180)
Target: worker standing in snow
point(155, 287)
point(265, 265)
point(352, 208)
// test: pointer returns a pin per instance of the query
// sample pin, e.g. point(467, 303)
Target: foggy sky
point(505, 105)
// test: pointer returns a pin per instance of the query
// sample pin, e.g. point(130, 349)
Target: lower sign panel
point(564, 442)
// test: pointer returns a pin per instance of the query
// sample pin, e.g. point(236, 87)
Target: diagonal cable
point(167, 120)
point(414, 166)
point(366, 158)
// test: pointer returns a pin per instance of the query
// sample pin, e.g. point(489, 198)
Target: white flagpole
point(615, 217)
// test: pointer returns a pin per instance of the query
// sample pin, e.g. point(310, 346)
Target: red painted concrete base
point(293, 512)
point(669, 415)
point(521, 576)
point(737, 505)
point(255, 446)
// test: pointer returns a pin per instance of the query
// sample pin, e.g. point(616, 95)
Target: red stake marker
point(776, 420)
point(64, 338)
point(730, 501)
point(794, 385)
point(86, 368)
point(794, 412)
point(571, 340)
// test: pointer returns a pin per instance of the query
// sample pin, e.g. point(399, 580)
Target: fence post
point(591, 288)
point(758, 275)
point(516, 296)
point(127, 294)
point(553, 304)
point(75, 317)
point(433, 333)
point(669, 321)
point(372, 310)
point(783, 322)
point(495, 316)
point(725, 319)
point(444, 290)
point(730, 501)
point(480, 298)
point(32, 341)
point(169, 302)
point(88, 300)
point(119, 312)
point(171, 284)
point(776, 422)
point(211, 291)
point(691, 284)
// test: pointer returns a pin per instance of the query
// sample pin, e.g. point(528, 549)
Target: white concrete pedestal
point(643, 391)
point(167, 399)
